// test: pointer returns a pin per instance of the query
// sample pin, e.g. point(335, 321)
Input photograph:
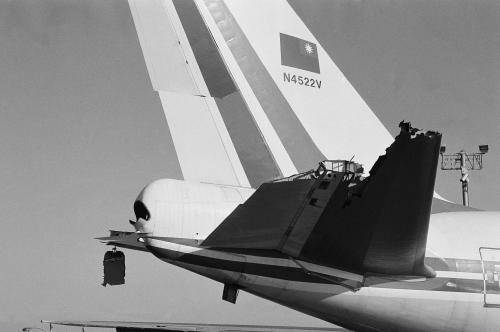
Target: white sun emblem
point(309, 49)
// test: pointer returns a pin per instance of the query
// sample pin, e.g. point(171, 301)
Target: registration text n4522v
point(302, 80)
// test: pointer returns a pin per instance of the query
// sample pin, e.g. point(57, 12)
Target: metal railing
point(325, 167)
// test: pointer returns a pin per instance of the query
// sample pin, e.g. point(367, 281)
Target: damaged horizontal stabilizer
point(381, 225)
point(262, 221)
point(129, 240)
point(332, 217)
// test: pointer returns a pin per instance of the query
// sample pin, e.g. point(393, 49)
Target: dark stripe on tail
point(297, 142)
point(255, 157)
point(264, 270)
point(299, 275)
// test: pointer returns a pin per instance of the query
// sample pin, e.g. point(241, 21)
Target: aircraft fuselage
point(184, 213)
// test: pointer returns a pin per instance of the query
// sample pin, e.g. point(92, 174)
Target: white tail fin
point(314, 110)
point(249, 93)
point(203, 145)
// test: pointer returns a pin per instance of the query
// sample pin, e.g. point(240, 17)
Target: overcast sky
point(81, 132)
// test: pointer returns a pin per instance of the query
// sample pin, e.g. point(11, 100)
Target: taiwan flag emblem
point(299, 53)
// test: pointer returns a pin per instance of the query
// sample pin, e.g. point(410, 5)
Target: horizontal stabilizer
point(262, 221)
point(129, 240)
point(267, 218)
point(377, 225)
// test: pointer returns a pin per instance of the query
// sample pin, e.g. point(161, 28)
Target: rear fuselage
point(184, 213)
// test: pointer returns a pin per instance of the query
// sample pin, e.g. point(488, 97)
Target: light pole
point(464, 162)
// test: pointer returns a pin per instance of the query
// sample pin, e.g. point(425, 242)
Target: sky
point(434, 63)
point(82, 132)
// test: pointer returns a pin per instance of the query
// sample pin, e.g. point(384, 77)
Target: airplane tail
point(249, 93)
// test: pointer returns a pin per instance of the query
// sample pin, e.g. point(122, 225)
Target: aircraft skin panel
point(208, 157)
point(334, 114)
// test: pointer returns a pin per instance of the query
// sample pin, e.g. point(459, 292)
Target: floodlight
point(464, 162)
point(483, 148)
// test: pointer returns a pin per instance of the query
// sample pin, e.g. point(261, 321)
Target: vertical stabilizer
point(316, 113)
point(249, 93)
point(203, 145)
